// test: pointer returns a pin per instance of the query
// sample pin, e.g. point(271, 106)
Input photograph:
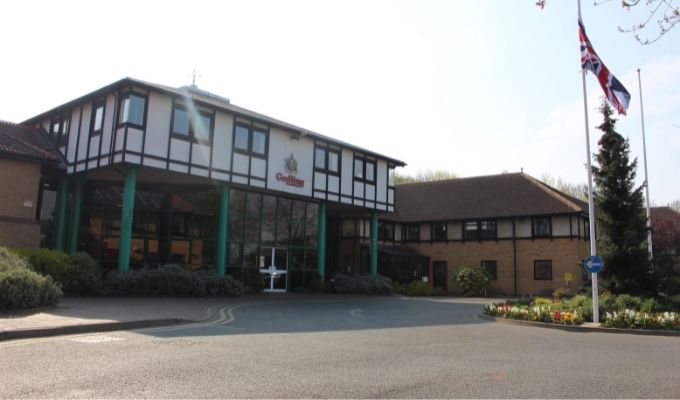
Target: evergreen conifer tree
point(620, 214)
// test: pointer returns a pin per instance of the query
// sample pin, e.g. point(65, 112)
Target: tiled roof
point(21, 142)
point(494, 196)
point(665, 213)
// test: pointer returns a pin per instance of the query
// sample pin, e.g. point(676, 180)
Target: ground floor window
point(490, 266)
point(171, 225)
point(543, 270)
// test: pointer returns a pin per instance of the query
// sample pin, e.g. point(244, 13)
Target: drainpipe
point(514, 257)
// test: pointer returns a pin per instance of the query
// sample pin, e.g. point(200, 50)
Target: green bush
point(560, 294)
point(46, 262)
point(361, 284)
point(170, 280)
point(22, 288)
point(542, 301)
point(473, 281)
point(417, 288)
point(627, 302)
point(83, 276)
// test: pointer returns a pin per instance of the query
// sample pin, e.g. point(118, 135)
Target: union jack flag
point(617, 95)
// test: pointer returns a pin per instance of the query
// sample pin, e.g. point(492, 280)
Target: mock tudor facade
point(139, 174)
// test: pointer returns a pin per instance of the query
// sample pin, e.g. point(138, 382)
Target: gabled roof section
point(24, 143)
point(219, 102)
point(493, 196)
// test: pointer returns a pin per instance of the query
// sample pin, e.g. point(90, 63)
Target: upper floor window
point(412, 232)
point(471, 230)
point(327, 160)
point(364, 170)
point(439, 231)
point(543, 270)
point(97, 119)
point(490, 267)
point(197, 127)
point(487, 229)
point(250, 140)
point(541, 227)
point(59, 130)
point(132, 109)
point(477, 230)
point(390, 177)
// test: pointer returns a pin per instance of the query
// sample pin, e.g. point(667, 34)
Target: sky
point(473, 87)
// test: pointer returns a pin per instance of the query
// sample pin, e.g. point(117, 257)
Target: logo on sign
point(290, 165)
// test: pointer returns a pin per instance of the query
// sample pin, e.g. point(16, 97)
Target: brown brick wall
point(564, 253)
point(19, 234)
point(19, 182)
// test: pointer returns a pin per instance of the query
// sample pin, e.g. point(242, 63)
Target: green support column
point(374, 243)
point(321, 255)
point(126, 219)
point(222, 252)
point(75, 216)
point(60, 218)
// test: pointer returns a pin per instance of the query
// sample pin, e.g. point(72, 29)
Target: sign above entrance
point(291, 168)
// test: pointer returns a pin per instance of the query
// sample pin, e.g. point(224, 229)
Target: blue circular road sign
point(593, 264)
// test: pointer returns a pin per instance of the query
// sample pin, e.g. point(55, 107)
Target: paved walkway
point(84, 314)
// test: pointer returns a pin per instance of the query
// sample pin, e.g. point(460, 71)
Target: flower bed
point(642, 320)
point(538, 313)
point(556, 313)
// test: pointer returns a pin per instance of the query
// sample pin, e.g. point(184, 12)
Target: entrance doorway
point(439, 272)
point(274, 269)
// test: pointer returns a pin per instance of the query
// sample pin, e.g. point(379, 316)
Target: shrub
point(473, 281)
point(560, 294)
point(626, 301)
point(22, 288)
point(362, 284)
point(542, 301)
point(417, 288)
point(46, 262)
point(83, 276)
point(171, 279)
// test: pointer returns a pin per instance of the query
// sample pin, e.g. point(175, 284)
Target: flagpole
point(644, 156)
point(591, 206)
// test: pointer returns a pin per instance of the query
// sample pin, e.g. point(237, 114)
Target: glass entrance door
point(274, 269)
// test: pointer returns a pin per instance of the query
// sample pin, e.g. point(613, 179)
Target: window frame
point(544, 262)
point(484, 264)
point(126, 96)
point(494, 236)
point(534, 233)
point(405, 230)
point(326, 163)
point(477, 232)
point(193, 117)
point(382, 230)
point(364, 160)
point(96, 105)
point(433, 229)
point(250, 128)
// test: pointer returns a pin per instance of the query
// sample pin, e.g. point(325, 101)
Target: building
point(666, 236)
point(139, 174)
point(157, 175)
point(529, 236)
point(24, 159)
